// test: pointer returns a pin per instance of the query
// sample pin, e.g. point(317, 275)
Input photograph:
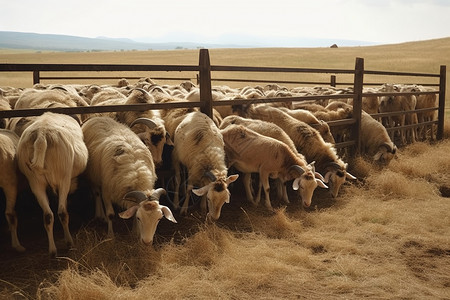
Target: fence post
point(333, 80)
point(205, 83)
point(36, 77)
point(357, 103)
point(441, 112)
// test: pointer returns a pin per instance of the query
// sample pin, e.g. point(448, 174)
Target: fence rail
point(203, 75)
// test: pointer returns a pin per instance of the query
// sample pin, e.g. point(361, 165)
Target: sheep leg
point(177, 179)
point(258, 194)
point(264, 181)
point(62, 212)
point(11, 217)
point(39, 192)
point(282, 191)
point(99, 210)
point(184, 209)
point(109, 211)
point(247, 180)
point(203, 205)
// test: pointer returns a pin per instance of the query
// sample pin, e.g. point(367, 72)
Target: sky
point(277, 22)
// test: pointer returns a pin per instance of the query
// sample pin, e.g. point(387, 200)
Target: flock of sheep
point(121, 153)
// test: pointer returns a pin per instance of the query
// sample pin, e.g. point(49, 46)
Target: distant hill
point(56, 42)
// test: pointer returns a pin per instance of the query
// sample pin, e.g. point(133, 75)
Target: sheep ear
point(167, 213)
point(321, 184)
point(129, 212)
point(296, 184)
point(201, 191)
point(232, 178)
point(327, 176)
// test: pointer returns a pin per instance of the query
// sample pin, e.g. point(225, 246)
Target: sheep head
point(154, 135)
point(386, 152)
point(216, 192)
point(306, 182)
point(148, 212)
point(336, 176)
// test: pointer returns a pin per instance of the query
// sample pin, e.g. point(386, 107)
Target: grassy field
point(422, 57)
point(387, 235)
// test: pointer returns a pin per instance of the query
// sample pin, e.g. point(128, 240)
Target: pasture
point(387, 235)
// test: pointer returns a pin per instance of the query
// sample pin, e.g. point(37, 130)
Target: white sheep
point(147, 124)
point(251, 152)
point(45, 98)
point(375, 140)
point(4, 105)
point(9, 181)
point(198, 145)
point(122, 172)
point(51, 153)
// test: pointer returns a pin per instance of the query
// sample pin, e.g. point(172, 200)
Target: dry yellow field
point(387, 235)
point(421, 57)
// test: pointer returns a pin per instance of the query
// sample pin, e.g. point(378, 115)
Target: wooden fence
point(203, 71)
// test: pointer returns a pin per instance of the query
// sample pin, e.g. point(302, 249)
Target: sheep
point(268, 129)
point(121, 172)
point(309, 118)
point(148, 124)
point(106, 94)
point(11, 94)
point(51, 153)
point(32, 98)
point(198, 145)
point(251, 152)
point(401, 103)
point(188, 85)
point(9, 181)
point(56, 96)
point(308, 142)
point(88, 92)
point(223, 110)
point(4, 105)
point(173, 117)
point(426, 101)
point(375, 140)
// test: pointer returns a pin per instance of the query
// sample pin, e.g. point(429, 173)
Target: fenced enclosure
point(203, 74)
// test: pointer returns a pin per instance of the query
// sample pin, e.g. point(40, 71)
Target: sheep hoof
point(19, 248)
point(183, 211)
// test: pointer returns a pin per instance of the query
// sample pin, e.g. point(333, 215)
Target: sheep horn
point(210, 175)
point(297, 168)
point(388, 147)
point(140, 90)
point(135, 196)
point(158, 193)
point(334, 165)
point(146, 121)
point(58, 87)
